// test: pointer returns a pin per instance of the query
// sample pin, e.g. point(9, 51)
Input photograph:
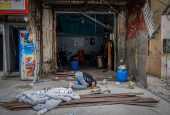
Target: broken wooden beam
point(93, 100)
point(110, 95)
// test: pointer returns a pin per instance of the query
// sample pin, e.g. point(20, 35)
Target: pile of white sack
point(47, 100)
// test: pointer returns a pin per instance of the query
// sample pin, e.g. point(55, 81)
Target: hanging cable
point(91, 22)
point(110, 19)
point(83, 19)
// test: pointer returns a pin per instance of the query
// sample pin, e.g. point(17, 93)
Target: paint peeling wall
point(165, 57)
point(131, 44)
point(47, 27)
point(137, 44)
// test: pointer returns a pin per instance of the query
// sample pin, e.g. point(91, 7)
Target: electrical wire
point(73, 19)
point(83, 19)
point(110, 19)
point(161, 2)
point(126, 21)
point(90, 22)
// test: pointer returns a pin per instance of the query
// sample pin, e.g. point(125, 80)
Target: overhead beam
point(83, 9)
point(74, 2)
point(102, 24)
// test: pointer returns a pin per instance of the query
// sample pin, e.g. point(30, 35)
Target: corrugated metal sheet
point(142, 42)
point(131, 58)
point(137, 41)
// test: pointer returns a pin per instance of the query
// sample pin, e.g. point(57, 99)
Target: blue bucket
point(74, 65)
point(121, 75)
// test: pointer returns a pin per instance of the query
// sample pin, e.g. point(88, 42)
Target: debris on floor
point(131, 85)
point(104, 81)
point(41, 100)
point(92, 99)
point(117, 83)
point(27, 86)
point(158, 87)
point(69, 76)
point(88, 87)
point(96, 73)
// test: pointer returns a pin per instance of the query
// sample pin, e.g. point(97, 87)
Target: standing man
point(82, 78)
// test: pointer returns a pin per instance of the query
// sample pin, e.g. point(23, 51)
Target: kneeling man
point(82, 78)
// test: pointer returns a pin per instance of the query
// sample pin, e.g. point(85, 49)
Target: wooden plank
point(141, 102)
point(18, 109)
point(109, 95)
point(109, 56)
point(106, 103)
point(93, 100)
point(22, 106)
point(14, 104)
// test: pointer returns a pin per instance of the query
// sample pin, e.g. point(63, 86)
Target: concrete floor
point(159, 87)
point(10, 87)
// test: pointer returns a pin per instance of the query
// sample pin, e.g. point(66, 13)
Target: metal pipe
point(107, 27)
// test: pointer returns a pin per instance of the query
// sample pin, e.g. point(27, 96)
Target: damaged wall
point(156, 10)
point(121, 38)
point(131, 44)
point(47, 27)
point(154, 56)
point(165, 34)
point(137, 44)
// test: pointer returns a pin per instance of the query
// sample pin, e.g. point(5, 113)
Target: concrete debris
point(131, 85)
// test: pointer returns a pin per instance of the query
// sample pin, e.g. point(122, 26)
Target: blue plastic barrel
point(121, 75)
point(74, 65)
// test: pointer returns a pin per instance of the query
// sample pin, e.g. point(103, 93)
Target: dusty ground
point(158, 87)
point(10, 87)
